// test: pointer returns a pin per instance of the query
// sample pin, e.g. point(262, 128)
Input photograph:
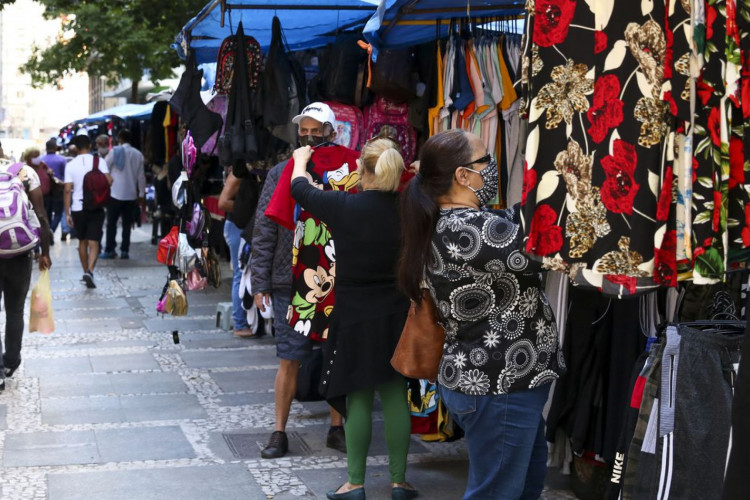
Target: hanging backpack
point(384, 112)
point(394, 75)
point(18, 231)
point(239, 144)
point(225, 63)
point(349, 126)
point(95, 188)
point(283, 88)
point(344, 71)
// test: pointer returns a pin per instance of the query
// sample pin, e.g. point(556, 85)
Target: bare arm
point(301, 159)
point(226, 198)
point(37, 201)
point(67, 197)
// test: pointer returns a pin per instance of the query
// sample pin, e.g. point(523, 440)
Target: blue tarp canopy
point(305, 23)
point(137, 111)
point(402, 23)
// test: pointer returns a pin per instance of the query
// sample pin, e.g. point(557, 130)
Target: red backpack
point(349, 125)
point(385, 112)
point(95, 188)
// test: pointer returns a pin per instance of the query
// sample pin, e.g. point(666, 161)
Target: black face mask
point(312, 140)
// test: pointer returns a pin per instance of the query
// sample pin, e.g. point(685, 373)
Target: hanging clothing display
point(681, 438)
point(314, 254)
point(475, 92)
point(636, 105)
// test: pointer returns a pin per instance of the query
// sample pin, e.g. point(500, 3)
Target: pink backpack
point(349, 125)
point(386, 112)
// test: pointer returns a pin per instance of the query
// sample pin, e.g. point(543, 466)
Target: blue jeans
point(232, 235)
point(505, 438)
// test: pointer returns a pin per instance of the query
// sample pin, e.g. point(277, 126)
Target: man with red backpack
point(87, 182)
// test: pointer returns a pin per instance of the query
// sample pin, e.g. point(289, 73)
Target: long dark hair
point(439, 158)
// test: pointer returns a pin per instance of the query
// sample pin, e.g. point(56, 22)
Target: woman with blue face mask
point(501, 351)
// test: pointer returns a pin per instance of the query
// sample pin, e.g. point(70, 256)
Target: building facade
point(26, 112)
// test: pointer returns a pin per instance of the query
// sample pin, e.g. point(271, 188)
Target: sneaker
point(64, 237)
point(124, 255)
point(88, 278)
point(277, 447)
point(336, 438)
point(108, 255)
point(2, 384)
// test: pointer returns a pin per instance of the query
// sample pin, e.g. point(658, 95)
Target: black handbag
point(308, 377)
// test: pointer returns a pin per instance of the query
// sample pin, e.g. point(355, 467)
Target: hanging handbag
point(195, 281)
point(420, 347)
point(176, 303)
point(211, 267)
point(168, 247)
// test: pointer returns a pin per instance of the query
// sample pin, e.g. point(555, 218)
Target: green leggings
point(397, 429)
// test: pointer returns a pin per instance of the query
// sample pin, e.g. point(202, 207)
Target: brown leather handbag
point(420, 347)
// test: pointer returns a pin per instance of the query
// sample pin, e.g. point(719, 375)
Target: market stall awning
point(402, 23)
point(305, 23)
point(138, 111)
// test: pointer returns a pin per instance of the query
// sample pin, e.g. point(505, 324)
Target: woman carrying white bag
point(23, 226)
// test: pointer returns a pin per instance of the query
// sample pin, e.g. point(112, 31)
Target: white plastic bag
point(42, 319)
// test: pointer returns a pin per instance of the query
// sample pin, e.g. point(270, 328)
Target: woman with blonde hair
point(369, 311)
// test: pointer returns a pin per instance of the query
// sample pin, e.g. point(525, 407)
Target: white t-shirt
point(76, 169)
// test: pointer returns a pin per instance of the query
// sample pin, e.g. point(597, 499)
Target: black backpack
point(394, 76)
point(283, 88)
point(344, 71)
point(239, 143)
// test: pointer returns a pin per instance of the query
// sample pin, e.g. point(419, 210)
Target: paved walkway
point(109, 408)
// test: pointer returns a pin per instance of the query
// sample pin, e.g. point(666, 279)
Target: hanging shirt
point(313, 252)
point(598, 187)
point(433, 114)
point(462, 94)
point(509, 93)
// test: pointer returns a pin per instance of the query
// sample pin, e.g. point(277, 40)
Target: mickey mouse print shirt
point(314, 253)
point(501, 334)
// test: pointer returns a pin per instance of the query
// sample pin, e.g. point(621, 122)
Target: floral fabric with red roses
point(618, 197)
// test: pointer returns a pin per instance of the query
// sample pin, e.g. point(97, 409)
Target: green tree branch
point(115, 39)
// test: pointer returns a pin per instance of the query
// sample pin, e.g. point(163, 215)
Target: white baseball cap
point(318, 111)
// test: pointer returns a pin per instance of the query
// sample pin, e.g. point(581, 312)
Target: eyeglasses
point(484, 159)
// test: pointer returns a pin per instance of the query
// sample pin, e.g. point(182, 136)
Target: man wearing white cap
point(315, 124)
point(303, 295)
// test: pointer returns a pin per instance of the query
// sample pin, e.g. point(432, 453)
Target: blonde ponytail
point(382, 165)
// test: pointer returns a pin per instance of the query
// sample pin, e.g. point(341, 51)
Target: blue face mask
point(489, 183)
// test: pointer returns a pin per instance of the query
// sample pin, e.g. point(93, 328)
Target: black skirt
point(365, 328)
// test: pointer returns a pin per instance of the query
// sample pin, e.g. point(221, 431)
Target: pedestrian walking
point(501, 352)
point(56, 212)
point(128, 189)
point(15, 260)
point(88, 224)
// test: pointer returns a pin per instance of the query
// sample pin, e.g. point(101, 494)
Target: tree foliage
point(114, 39)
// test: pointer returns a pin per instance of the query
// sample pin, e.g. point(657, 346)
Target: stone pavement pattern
point(109, 407)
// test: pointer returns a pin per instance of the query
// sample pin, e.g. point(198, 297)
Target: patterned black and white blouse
point(501, 335)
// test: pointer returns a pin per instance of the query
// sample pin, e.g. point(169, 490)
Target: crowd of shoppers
point(500, 353)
